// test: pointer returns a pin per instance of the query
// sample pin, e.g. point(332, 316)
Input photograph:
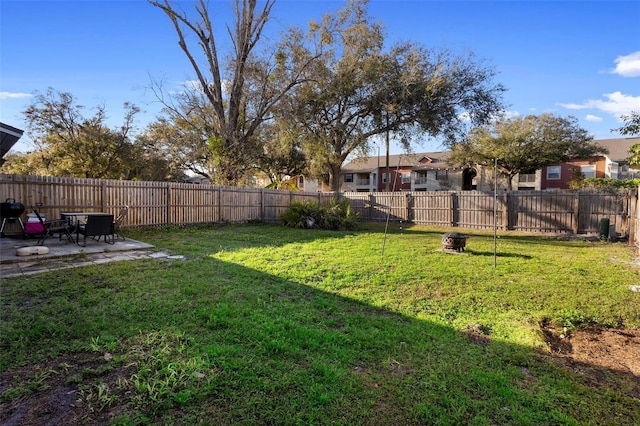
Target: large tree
point(525, 144)
point(70, 144)
point(233, 95)
point(359, 89)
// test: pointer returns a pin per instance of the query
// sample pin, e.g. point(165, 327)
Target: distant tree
point(70, 144)
point(233, 97)
point(31, 163)
point(151, 161)
point(359, 89)
point(634, 160)
point(281, 156)
point(631, 125)
point(183, 140)
point(631, 128)
point(525, 144)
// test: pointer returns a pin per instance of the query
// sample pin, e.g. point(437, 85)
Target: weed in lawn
point(102, 344)
point(39, 380)
point(98, 397)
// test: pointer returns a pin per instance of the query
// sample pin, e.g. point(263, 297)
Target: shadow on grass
point(498, 254)
point(216, 340)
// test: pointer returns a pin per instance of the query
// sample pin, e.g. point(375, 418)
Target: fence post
point(634, 217)
point(220, 203)
point(508, 211)
point(454, 208)
point(103, 196)
point(372, 200)
point(576, 213)
point(409, 207)
point(168, 203)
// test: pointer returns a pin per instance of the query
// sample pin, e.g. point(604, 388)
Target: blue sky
point(579, 58)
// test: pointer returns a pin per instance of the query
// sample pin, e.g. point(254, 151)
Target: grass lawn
point(266, 325)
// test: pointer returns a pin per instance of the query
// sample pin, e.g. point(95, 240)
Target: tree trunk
point(334, 178)
point(510, 182)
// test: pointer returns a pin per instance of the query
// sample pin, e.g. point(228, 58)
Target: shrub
point(337, 215)
point(606, 183)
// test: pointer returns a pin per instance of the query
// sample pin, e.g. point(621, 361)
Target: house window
point(384, 178)
point(527, 177)
point(553, 172)
point(348, 177)
point(421, 178)
point(441, 175)
point(588, 171)
point(301, 182)
point(406, 178)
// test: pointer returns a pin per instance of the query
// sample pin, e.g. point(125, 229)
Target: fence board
point(634, 207)
point(434, 208)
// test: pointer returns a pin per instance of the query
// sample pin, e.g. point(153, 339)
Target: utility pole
point(388, 175)
point(378, 169)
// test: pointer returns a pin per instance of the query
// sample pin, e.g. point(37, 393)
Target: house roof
point(618, 147)
point(423, 160)
point(618, 151)
point(8, 137)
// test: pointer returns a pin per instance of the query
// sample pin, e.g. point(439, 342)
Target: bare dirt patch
point(56, 394)
point(603, 357)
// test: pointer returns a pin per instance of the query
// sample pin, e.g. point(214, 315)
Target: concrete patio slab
point(64, 254)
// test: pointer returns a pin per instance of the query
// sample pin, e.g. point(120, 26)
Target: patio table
point(78, 218)
point(93, 224)
point(74, 217)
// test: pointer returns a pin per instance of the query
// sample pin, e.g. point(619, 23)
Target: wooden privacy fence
point(577, 212)
point(635, 224)
point(151, 203)
point(162, 203)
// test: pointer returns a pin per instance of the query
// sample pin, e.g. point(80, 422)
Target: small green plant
point(102, 344)
point(609, 183)
point(39, 380)
point(98, 396)
point(572, 319)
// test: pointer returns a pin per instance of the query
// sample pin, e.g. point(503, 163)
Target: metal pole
point(388, 176)
point(386, 227)
point(495, 212)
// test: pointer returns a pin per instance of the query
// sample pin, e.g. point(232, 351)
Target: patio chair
point(117, 223)
point(50, 227)
point(97, 225)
